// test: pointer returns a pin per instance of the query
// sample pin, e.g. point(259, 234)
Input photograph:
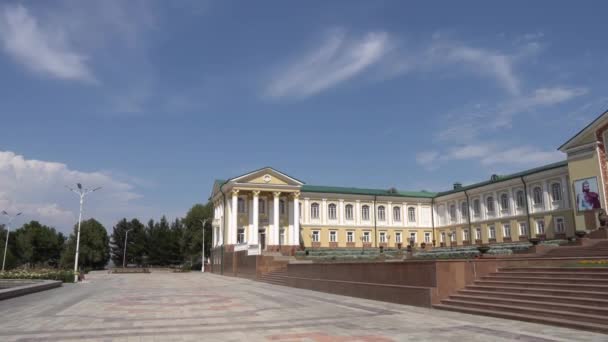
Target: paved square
point(195, 307)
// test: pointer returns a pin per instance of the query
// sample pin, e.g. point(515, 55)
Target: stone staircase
point(276, 277)
point(573, 297)
point(598, 249)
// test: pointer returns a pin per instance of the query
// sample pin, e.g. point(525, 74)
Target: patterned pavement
point(195, 307)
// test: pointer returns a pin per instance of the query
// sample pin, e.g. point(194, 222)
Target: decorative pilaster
point(341, 212)
point(256, 218)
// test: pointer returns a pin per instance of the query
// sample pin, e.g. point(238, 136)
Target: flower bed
point(61, 275)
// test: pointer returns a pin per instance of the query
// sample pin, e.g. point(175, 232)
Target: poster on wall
point(587, 194)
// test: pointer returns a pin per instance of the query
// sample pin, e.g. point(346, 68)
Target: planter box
point(333, 245)
point(383, 244)
point(506, 239)
point(442, 244)
point(350, 244)
point(479, 242)
point(367, 245)
point(523, 238)
point(542, 236)
point(492, 241)
point(466, 243)
point(316, 244)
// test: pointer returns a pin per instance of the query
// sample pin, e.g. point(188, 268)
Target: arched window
point(464, 209)
point(411, 214)
point(476, 207)
point(331, 211)
point(453, 212)
point(314, 211)
point(537, 195)
point(504, 202)
point(521, 201)
point(490, 204)
point(381, 213)
point(241, 205)
point(348, 212)
point(396, 214)
point(556, 192)
point(365, 212)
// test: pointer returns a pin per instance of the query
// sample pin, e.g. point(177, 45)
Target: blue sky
point(153, 100)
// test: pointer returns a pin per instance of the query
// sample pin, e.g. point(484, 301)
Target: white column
point(296, 220)
point(358, 212)
point(482, 207)
point(276, 226)
point(419, 215)
point(234, 217)
point(405, 218)
point(256, 218)
point(389, 214)
point(250, 234)
point(547, 204)
point(306, 211)
point(565, 192)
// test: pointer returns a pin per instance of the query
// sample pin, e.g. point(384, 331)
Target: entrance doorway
point(262, 239)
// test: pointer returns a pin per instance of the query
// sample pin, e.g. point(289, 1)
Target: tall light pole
point(81, 192)
point(203, 265)
point(124, 254)
point(8, 229)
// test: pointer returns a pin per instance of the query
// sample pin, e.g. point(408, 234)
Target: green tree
point(136, 242)
point(94, 246)
point(193, 231)
point(164, 242)
point(12, 259)
point(38, 245)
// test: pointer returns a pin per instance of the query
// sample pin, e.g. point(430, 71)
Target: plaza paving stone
point(207, 307)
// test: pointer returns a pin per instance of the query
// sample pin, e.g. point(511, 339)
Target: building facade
point(270, 210)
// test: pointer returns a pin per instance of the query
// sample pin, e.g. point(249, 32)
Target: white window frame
point(442, 237)
point(397, 214)
point(350, 236)
point(540, 228)
point(415, 235)
point(348, 212)
point(398, 237)
point(492, 232)
point(478, 235)
point(555, 193)
point(316, 236)
point(559, 230)
point(523, 229)
point(332, 211)
point(465, 235)
point(241, 205)
point(452, 236)
point(453, 212)
point(464, 208)
point(520, 199)
point(367, 236)
point(240, 235)
point(261, 206)
point(537, 200)
point(504, 202)
point(381, 213)
point(506, 230)
point(314, 211)
point(411, 214)
point(282, 236)
point(382, 237)
point(477, 207)
point(490, 205)
point(427, 237)
point(365, 212)
point(333, 236)
point(282, 207)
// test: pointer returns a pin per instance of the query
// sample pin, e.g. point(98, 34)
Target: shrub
point(43, 274)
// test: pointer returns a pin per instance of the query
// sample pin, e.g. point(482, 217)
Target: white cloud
point(42, 49)
point(335, 61)
point(522, 155)
point(38, 189)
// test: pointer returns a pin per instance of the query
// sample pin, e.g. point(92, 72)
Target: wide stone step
point(594, 301)
point(582, 325)
point(544, 285)
point(546, 305)
point(518, 309)
point(554, 280)
point(556, 269)
point(542, 291)
point(593, 275)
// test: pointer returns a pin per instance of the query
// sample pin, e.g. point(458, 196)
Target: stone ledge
point(26, 286)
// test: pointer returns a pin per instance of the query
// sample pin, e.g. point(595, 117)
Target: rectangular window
point(427, 237)
point(413, 236)
point(348, 212)
point(240, 236)
point(350, 236)
point(559, 225)
point(282, 237)
point(465, 235)
point(492, 232)
point(315, 236)
point(366, 237)
point(241, 205)
point(442, 237)
point(398, 237)
point(453, 237)
point(382, 237)
point(333, 236)
point(523, 229)
point(506, 230)
point(282, 207)
point(261, 206)
point(540, 227)
point(478, 234)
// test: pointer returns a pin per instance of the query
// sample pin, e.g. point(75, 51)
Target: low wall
point(18, 287)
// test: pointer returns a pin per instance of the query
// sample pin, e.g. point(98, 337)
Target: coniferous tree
point(136, 242)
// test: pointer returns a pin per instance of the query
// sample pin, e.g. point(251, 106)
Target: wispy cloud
point(338, 59)
point(43, 49)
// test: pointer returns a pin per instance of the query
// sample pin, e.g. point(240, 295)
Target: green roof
point(502, 178)
point(362, 191)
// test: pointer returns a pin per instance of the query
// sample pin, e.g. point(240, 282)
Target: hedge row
point(63, 275)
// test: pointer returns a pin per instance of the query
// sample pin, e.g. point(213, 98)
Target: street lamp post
point(8, 229)
point(82, 193)
point(203, 254)
point(124, 254)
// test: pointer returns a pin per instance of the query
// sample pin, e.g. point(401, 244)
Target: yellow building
point(268, 210)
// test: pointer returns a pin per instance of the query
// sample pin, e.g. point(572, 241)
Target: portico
point(258, 211)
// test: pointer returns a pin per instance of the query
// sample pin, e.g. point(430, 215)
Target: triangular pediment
point(268, 176)
point(587, 134)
